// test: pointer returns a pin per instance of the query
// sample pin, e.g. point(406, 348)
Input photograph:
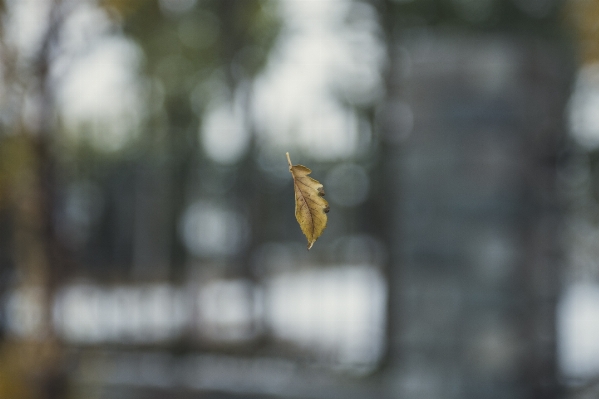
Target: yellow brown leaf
point(310, 208)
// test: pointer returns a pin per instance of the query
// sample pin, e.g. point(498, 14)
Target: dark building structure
point(475, 131)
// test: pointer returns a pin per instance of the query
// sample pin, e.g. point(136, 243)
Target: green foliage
point(181, 50)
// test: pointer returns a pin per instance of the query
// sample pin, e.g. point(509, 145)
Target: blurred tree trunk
point(30, 364)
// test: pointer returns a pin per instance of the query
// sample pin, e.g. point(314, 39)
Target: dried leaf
point(310, 208)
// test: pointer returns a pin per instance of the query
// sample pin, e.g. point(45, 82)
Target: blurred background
point(148, 243)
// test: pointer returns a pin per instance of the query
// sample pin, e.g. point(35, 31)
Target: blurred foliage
point(17, 164)
point(583, 17)
point(192, 57)
point(122, 8)
point(184, 49)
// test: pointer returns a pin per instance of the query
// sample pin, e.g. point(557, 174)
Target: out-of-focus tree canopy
point(186, 42)
point(583, 16)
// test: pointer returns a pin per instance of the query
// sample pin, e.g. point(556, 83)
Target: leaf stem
point(288, 160)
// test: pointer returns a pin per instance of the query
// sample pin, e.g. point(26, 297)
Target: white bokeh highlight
point(320, 66)
point(100, 95)
point(584, 107)
point(578, 331)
